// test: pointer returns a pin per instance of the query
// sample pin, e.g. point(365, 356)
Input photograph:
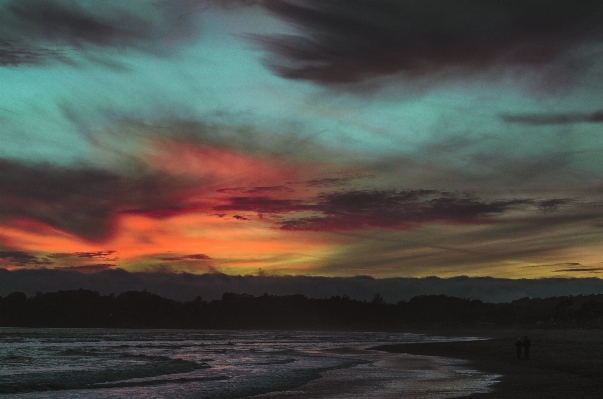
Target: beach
point(40, 363)
point(429, 364)
point(564, 363)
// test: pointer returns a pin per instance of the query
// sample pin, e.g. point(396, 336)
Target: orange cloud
point(141, 242)
point(180, 206)
point(217, 166)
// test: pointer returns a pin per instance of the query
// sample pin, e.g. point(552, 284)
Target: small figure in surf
point(526, 347)
point(519, 345)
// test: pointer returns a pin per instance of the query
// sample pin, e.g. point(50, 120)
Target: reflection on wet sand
point(389, 376)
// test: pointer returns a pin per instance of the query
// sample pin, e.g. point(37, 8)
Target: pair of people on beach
point(525, 344)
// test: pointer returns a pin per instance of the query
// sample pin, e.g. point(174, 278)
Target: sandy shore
point(563, 363)
point(386, 375)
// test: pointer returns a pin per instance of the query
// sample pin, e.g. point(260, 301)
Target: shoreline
point(384, 375)
point(563, 363)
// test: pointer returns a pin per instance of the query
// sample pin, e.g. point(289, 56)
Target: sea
point(116, 363)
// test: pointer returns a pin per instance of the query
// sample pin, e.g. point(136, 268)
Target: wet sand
point(563, 363)
point(391, 376)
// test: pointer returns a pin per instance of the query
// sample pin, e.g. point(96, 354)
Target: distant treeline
point(84, 308)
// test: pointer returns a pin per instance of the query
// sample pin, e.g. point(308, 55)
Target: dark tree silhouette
point(134, 309)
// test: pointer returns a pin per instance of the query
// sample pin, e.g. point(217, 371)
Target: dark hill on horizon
point(185, 287)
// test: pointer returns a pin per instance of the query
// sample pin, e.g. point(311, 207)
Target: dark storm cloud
point(229, 3)
point(89, 268)
point(13, 54)
point(81, 201)
point(187, 257)
point(254, 190)
point(106, 255)
point(163, 212)
point(230, 190)
point(32, 31)
point(262, 204)
point(328, 182)
point(19, 258)
point(264, 189)
point(554, 119)
point(397, 209)
point(402, 209)
point(186, 286)
point(580, 269)
point(567, 264)
point(554, 204)
point(64, 22)
point(350, 41)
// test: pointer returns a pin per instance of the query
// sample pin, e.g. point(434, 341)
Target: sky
point(383, 138)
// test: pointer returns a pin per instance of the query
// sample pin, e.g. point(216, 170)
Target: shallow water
point(104, 363)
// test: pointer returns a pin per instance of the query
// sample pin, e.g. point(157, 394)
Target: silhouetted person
point(526, 346)
point(518, 345)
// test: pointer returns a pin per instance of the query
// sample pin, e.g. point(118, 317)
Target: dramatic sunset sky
point(388, 138)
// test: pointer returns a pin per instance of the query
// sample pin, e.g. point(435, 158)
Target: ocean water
point(106, 363)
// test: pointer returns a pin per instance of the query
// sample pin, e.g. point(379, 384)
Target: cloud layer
point(302, 137)
point(399, 209)
point(81, 201)
point(35, 31)
point(351, 41)
point(554, 119)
